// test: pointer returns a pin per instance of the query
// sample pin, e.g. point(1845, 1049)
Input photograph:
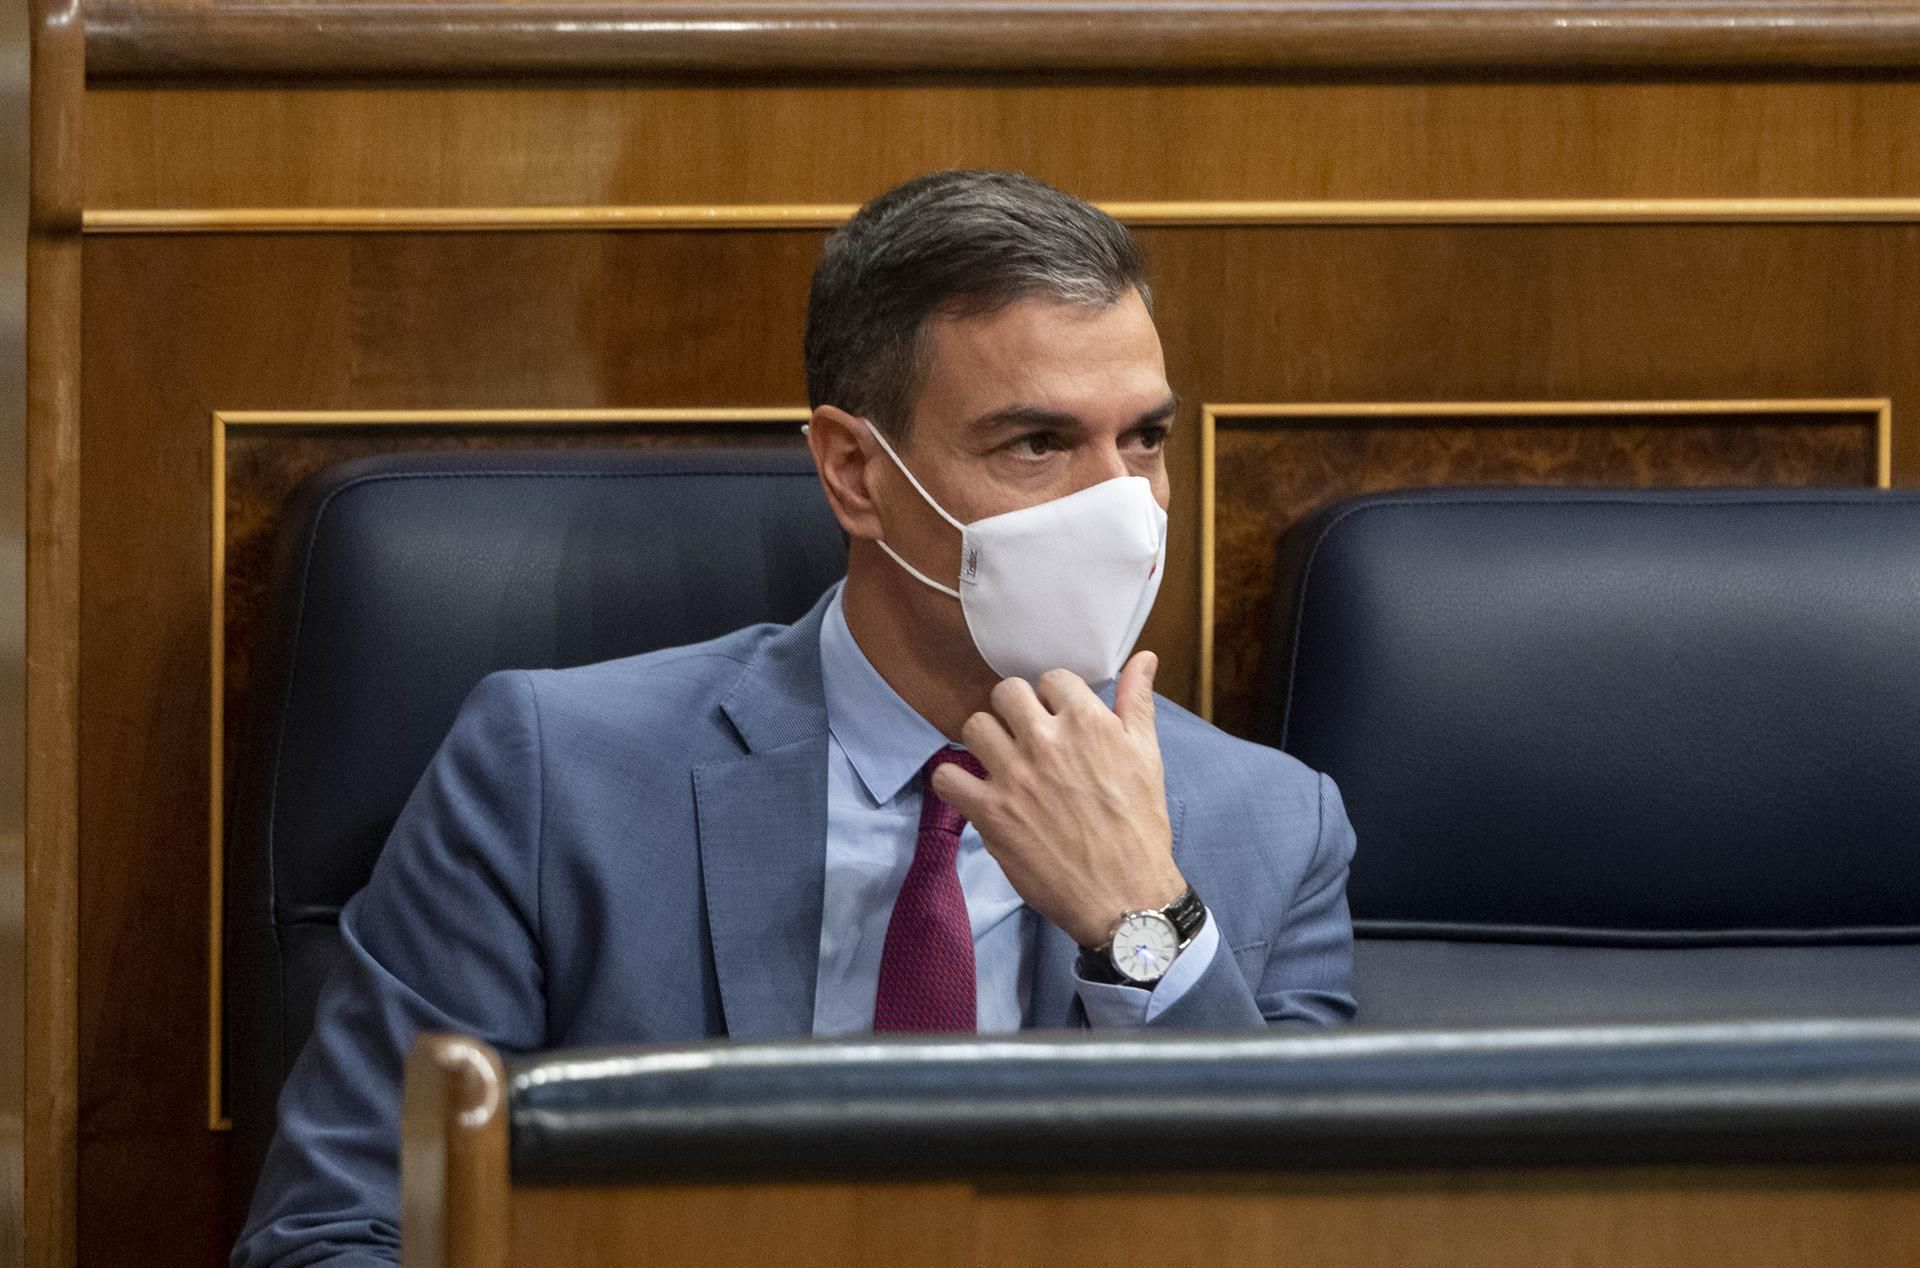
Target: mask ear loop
point(919, 488)
point(926, 497)
point(915, 572)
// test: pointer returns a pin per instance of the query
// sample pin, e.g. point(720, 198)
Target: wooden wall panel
point(1557, 1218)
point(822, 141)
point(54, 86)
point(226, 40)
point(1549, 1220)
point(791, 1225)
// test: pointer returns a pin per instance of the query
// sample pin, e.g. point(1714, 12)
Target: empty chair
point(1615, 754)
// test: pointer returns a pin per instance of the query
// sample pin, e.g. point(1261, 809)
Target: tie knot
point(958, 757)
point(935, 814)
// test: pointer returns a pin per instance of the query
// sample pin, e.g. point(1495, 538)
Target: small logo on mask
point(973, 562)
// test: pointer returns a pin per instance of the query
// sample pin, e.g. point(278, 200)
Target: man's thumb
point(1133, 697)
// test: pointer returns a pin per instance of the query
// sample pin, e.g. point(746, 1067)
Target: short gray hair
point(959, 243)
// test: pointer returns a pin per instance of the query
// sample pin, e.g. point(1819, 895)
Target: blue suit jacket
point(634, 852)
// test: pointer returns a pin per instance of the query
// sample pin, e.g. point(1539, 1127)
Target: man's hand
point(1075, 806)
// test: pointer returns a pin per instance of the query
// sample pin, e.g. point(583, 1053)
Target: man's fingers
point(1059, 688)
point(1018, 707)
point(986, 738)
point(960, 789)
point(1133, 695)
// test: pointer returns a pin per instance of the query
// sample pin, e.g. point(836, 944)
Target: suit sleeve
point(445, 936)
point(1308, 975)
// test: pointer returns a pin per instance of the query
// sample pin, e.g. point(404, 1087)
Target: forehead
point(1045, 352)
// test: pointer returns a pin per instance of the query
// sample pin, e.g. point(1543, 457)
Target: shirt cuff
point(1111, 1006)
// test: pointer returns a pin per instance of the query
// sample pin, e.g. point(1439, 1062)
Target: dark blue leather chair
point(400, 583)
point(1615, 755)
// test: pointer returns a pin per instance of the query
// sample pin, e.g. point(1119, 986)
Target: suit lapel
point(763, 839)
point(1056, 1000)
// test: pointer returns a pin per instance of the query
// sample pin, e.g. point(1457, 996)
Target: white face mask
point(1066, 584)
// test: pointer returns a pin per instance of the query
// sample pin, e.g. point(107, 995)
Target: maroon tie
point(926, 966)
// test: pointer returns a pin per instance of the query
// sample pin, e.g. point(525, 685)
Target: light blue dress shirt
point(876, 747)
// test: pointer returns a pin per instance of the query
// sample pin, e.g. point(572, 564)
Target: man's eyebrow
point(1163, 412)
point(1025, 416)
point(1041, 416)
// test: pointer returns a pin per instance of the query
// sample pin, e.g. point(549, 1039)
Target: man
point(913, 810)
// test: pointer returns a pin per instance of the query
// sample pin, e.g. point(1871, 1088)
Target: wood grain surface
point(453, 1155)
point(1547, 1219)
point(494, 145)
point(800, 1225)
point(1153, 213)
point(51, 897)
point(337, 38)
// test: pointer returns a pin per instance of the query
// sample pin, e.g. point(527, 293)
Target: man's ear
point(844, 454)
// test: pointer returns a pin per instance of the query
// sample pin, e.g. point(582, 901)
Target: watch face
point(1144, 946)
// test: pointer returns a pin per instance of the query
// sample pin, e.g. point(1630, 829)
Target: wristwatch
point(1142, 945)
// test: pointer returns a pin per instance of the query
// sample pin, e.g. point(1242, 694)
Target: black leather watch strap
point(1097, 966)
point(1187, 913)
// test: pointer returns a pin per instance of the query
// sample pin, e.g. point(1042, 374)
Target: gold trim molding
point(1140, 214)
point(1879, 409)
point(223, 420)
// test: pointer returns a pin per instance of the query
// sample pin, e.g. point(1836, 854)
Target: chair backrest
point(401, 582)
point(1615, 754)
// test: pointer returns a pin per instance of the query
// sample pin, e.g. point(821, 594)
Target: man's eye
point(1036, 445)
point(1153, 437)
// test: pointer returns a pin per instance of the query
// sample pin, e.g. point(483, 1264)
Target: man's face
point(1025, 405)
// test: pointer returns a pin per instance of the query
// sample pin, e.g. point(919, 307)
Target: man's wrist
point(1095, 928)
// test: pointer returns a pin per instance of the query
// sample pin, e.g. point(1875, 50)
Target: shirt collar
point(884, 739)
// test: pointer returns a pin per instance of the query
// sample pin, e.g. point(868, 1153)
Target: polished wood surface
point(146, 39)
point(15, 125)
point(16, 22)
point(52, 845)
point(453, 1156)
point(793, 1225)
point(1489, 211)
point(489, 145)
point(1703, 1218)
